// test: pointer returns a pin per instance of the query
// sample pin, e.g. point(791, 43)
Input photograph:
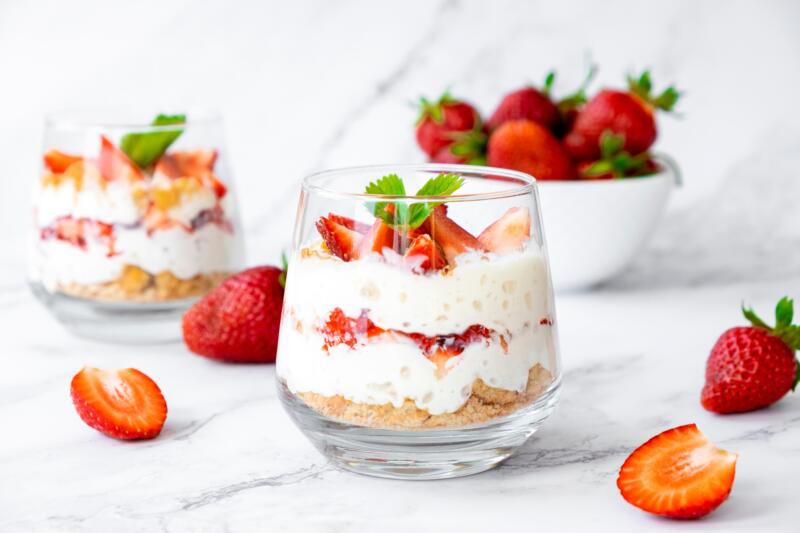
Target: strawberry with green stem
point(615, 162)
point(755, 366)
point(440, 121)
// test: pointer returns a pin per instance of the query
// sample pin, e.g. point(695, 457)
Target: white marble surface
point(306, 85)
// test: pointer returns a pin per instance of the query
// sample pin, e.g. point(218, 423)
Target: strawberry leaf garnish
point(410, 216)
point(144, 149)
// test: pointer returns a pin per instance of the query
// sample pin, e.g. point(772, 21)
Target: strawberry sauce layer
point(341, 329)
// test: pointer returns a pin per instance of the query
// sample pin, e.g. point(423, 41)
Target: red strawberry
point(616, 162)
point(529, 147)
point(114, 164)
point(528, 103)
point(439, 121)
point(467, 148)
point(626, 113)
point(349, 223)
point(509, 232)
point(194, 163)
point(378, 237)
point(425, 254)
point(340, 239)
point(123, 404)
point(678, 473)
point(453, 239)
point(238, 321)
point(753, 367)
point(58, 161)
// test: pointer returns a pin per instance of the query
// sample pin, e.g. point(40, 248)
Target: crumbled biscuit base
point(137, 285)
point(484, 404)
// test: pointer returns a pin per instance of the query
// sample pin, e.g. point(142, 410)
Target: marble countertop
point(229, 459)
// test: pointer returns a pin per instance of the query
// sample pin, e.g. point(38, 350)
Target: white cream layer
point(508, 293)
point(185, 254)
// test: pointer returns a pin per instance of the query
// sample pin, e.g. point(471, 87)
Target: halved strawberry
point(123, 404)
point(114, 164)
point(425, 254)
point(340, 239)
point(349, 223)
point(58, 161)
point(378, 237)
point(453, 239)
point(509, 232)
point(677, 473)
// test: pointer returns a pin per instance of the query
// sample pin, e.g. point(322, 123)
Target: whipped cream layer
point(109, 202)
point(184, 254)
point(509, 293)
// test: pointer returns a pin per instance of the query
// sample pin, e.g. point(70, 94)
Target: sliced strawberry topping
point(123, 404)
point(114, 164)
point(678, 473)
point(341, 240)
point(378, 237)
point(424, 254)
point(349, 223)
point(453, 239)
point(509, 232)
point(58, 161)
point(192, 163)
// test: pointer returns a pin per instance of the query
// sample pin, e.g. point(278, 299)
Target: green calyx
point(783, 329)
point(549, 80)
point(578, 97)
point(642, 87)
point(284, 270)
point(144, 149)
point(470, 145)
point(433, 109)
point(409, 216)
point(616, 161)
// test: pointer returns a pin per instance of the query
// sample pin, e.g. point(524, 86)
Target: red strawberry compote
point(385, 338)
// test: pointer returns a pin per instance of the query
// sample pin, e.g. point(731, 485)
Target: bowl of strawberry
point(603, 190)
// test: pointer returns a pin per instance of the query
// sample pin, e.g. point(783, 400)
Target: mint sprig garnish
point(409, 216)
point(144, 149)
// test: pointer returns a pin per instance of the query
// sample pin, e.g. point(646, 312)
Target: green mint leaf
point(441, 185)
point(389, 185)
point(144, 149)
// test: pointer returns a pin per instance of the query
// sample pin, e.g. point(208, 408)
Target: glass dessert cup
point(418, 337)
point(133, 220)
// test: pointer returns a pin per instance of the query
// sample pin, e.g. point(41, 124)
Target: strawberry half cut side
point(453, 239)
point(350, 223)
point(123, 404)
point(378, 237)
point(424, 255)
point(678, 473)
point(58, 161)
point(340, 239)
point(509, 232)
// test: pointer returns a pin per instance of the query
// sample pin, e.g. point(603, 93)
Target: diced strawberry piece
point(678, 473)
point(123, 404)
point(425, 254)
point(349, 223)
point(58, 161)
point(71, 230)
point(179, 164)
point(453, 239)
point(378, 237)
point(114, 164)
point(509, 232)
point(157, 219)
point(341, 241)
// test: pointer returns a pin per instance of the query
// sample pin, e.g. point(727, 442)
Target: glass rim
point(111, 118)
point(525, 183)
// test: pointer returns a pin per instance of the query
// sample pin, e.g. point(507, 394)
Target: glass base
point(419, 455)
point(118, 322)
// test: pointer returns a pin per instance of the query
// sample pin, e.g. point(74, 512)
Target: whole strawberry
point(528, 103)
point(468, 148)
point(626, 113)
point(439, 121)
point(753, 367)
point(529, 147)
point(238, 321)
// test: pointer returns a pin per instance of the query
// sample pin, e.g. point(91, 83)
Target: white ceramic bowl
point(595, 228)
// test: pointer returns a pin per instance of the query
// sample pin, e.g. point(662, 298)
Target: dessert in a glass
point(418, 336)
point(132, 221)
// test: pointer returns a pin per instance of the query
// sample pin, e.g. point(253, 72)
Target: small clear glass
point(427, 352)
point(131, 222)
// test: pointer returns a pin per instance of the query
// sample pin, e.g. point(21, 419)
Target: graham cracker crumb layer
point(137, 285)
point(484, 404)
